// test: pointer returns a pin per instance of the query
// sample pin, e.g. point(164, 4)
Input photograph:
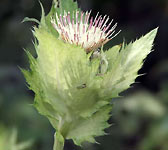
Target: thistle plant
point(74, 79)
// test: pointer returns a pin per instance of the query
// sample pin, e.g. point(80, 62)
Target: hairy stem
point(58, 138)
point(58, 141)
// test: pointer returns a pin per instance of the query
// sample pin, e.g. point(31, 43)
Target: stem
point(58, 138)
point(58, 141)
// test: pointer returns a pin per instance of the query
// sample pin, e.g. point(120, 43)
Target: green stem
point(58, 141)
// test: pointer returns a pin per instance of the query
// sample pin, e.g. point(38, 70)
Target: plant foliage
point(73, 91)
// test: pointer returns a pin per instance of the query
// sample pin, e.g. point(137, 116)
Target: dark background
point(140, 119)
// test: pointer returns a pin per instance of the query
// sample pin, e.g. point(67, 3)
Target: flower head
point(90, 33)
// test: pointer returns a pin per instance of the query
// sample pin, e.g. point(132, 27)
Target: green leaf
point(72, 70)
point(86, 129)
point(67, 5)
point(59, 7)
point(65, 82)
point(27, 19)
point(34, 80)
point(111, 55)
point(43, 20)
point(126, 64)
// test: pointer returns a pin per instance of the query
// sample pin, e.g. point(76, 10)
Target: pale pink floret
point(84, 31)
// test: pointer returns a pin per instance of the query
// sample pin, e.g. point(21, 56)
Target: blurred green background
point(139, 119)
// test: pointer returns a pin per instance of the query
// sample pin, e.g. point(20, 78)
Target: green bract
point(72, 88)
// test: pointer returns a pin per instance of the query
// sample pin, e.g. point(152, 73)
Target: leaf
point(111, 55)
point(67, 5)
point(34, 80)
point(59, 7)
point(26, 19)
point(126, 64)
point(64, 80)
point(43, 20)
point(63, 69)
point(87, 129)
